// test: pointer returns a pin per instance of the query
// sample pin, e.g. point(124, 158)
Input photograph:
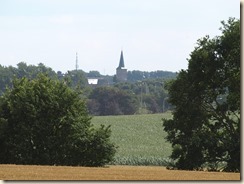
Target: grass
point(140, 138)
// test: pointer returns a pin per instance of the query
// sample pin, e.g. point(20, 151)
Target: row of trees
point(136, 75)
point(148, 96)
point(7, 74)
point(73, 78)
point(205, 129)
point(142, 96)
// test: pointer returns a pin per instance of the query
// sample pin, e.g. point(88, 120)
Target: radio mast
point(76, 62)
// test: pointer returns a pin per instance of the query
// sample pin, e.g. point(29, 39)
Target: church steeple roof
point(121, 61)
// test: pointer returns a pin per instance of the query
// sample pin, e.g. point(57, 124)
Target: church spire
point(121, 72)
point(121, 61)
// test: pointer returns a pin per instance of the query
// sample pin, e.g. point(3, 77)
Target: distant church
point(121, 72)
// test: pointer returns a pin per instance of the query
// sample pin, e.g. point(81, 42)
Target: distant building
point(92, 81)
point(97, 81)
point(121, 72)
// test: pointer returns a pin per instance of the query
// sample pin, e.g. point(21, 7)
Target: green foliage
point(5, 78)
point(44, 122)
point(75, 79)
point(31, 71)
point(206, 96)
point(94, 74)
point(7, 74)
point(148, 93)
point(111, 101)
point(151, 94)
point(135, 75)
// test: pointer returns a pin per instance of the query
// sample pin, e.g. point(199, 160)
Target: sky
point(153, 34)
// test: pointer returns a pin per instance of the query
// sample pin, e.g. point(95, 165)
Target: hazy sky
point(154, 34)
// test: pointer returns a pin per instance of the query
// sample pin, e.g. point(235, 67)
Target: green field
point(140, 138)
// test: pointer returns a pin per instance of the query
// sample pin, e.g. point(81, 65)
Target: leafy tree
point(7, 74)
point(111, 101)
point(31, 71)
point(75, 79)
point(42, 121)
point(93, 74)
point(151, 103)
point(151, 92)
point(205, 129)
point(5, 78)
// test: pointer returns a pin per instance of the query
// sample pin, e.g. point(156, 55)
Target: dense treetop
point(205, 130)
point(44, 122)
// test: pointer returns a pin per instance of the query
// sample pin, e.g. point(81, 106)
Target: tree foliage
point(205, 129)
point(136, 75)
point(147, 89)
point(151, 94)
point(7, 74)
point(111, 101)
point(42, 121)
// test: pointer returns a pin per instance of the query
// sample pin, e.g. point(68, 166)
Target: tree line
point(144, 92)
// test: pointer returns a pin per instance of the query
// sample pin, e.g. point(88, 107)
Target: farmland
point(26, 172)
point(141, 142)
point(140, 138)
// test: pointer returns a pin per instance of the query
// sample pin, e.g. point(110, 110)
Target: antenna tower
point(76, 62)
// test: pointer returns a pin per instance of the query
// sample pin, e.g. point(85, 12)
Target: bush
point(44, 122)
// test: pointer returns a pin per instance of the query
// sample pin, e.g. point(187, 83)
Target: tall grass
point(140, 138)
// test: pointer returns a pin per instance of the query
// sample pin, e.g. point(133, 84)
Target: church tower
point(121, 72)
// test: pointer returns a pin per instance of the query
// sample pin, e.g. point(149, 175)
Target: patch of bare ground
point(31, 172)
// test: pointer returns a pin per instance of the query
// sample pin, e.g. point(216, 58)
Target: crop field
point(24, 172)
point(141, 142)
point(140, 138)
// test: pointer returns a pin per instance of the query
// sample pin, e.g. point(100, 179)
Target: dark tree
point(205, 129)
point(42, 121)
point(7, 74)
point(112, 101)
